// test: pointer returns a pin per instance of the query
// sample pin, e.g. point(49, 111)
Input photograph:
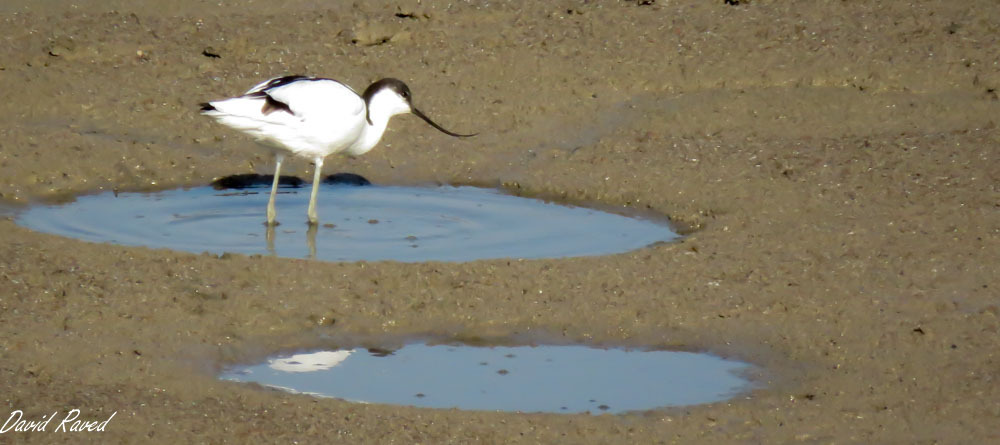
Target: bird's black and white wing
point(294, 112)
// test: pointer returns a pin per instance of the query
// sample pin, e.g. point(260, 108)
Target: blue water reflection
point(407, 224)
point(562, 379)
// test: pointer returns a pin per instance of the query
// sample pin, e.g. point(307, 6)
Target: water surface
point(407, 224)
point(548, 378)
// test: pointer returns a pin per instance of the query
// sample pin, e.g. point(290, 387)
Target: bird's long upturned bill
point(423, 116)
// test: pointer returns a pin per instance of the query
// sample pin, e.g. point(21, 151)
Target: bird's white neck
point(370, 136)
point(382, 107)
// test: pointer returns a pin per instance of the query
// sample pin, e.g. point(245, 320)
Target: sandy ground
point(837, 161)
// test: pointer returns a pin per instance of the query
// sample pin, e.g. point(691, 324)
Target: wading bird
point(315, 117)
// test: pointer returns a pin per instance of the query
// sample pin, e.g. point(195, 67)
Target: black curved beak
point(440, 128)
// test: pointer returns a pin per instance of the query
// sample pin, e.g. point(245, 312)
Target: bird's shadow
point(253, 180)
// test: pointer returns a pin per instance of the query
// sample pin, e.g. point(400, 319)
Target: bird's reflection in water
point(311, 240)
point(251, 180)
point(269, 235)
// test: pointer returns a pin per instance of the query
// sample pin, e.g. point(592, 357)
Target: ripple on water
point(407, 224)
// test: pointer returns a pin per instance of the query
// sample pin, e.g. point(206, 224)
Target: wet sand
point(836, 163)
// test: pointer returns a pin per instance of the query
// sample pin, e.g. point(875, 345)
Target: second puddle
point(548, 378)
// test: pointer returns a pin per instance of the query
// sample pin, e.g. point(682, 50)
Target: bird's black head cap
point(395, 85)
point(403, 91)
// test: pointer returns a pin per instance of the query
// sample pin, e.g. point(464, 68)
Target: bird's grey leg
point(274, 189)
point(315, 188)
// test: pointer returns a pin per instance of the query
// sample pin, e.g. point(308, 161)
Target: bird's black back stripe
point(278, 82)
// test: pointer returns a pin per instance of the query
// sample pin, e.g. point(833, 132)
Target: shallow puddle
point(356, 223)
point(559, 379)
